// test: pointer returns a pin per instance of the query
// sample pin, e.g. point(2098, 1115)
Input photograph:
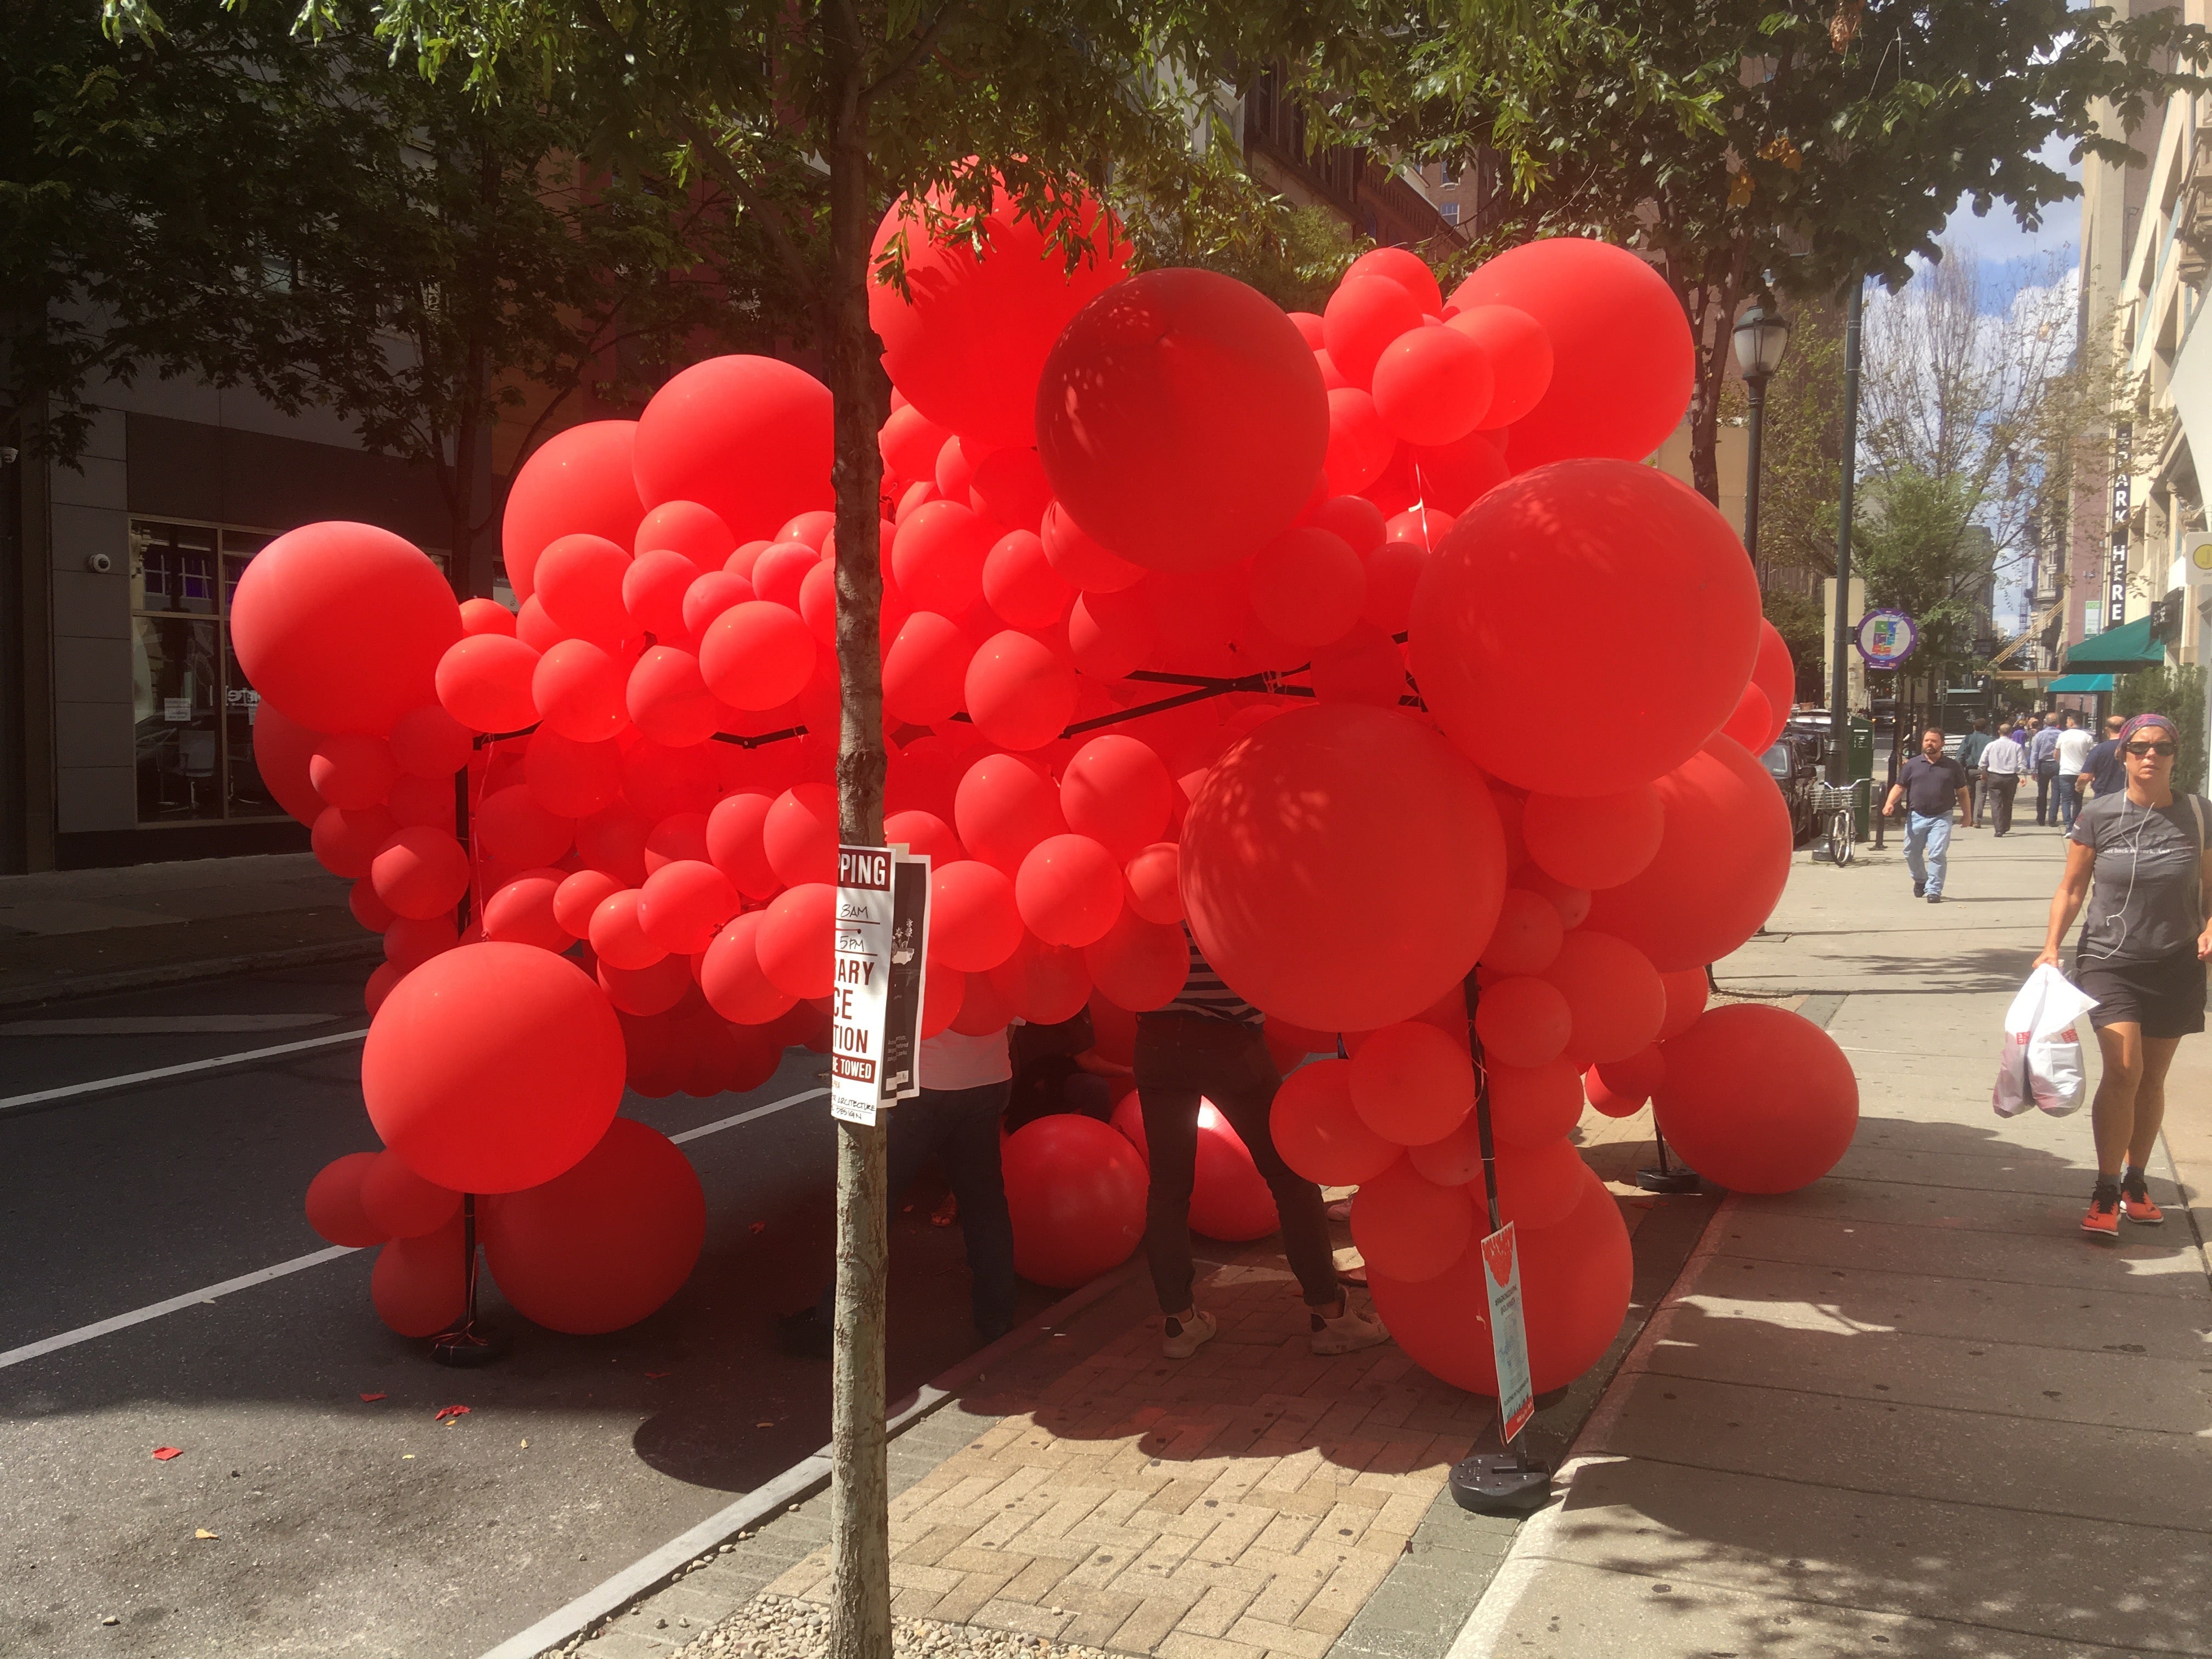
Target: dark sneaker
point(1920, 889)
point(1934, 898)
point(2102, 1219)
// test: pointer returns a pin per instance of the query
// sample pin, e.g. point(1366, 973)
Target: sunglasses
point(2150, 749)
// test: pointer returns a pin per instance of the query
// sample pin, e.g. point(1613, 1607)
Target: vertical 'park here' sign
point(875, 1016)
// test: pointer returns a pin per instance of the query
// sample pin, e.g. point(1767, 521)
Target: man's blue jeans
point(2069, 798)
point(1927, 848)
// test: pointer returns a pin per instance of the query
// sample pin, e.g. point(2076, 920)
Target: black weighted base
point(1501, 1483)
point(1674, 1180)
point(467, 1348)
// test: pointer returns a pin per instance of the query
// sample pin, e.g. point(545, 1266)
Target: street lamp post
point(1761, 337)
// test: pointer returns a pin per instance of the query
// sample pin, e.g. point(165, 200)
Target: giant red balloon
point(1342, 866)
point(1622, 360)
point(579, 482)
point(1720, 868)
point(1667, 625)
point(1182, 420)
point(604, 1244)
point(1757, 1098)
point(342, 626)
point(1075, 1190)
point(492, 1067)
point(1230, 1199)
point(968, 339)
point(748, 438)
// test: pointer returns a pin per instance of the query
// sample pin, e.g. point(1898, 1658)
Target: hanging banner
point(875, 1015)
point(1509, 1336)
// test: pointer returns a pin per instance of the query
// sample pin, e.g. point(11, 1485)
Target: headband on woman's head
point(2140, 721)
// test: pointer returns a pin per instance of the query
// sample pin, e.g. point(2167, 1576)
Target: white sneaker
point(1348, 1332)
point(1181, 1338)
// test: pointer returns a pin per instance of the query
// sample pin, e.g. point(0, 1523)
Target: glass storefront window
point(176, 689)
point(172, 567)
point(246, 795)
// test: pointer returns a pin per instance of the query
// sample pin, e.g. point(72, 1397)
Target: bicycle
point(1835, 809)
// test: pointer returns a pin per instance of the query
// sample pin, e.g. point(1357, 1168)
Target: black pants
point(961, 1126)
point(2046, 779)
point(1997, 789)
point(1181, 1057)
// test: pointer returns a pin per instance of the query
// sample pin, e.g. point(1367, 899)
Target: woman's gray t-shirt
point(2143, 899)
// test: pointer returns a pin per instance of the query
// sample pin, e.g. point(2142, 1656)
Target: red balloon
point(926, 835)
point(1667, 621)
point(1389, 576)
point(426, 802)
point(909, 442)
point(1523, 1021)
point(938, 555)
point(1528, 934)
point(513, 827)
point(1182, 420)
point(1639, 1075)
point(370, 911)
point(345, 842)
point(1010, 486)
point(758, 655)
point(381, 979)
point(799, 834)
point(973, 925)
point(1432, 386)
point(968, 338)
point(683, 904)
point(580, 585)
point(925, 669)
point(1155, 883)
point(1076, 1192)
point(492, 1067)
point(1412, 1084)
point(1575, 1283)
point(1354, 519)
point(401, 1203)
point(1404, 267)
point(1720, 868)
point(735, 843)
point(1538, 1186)
point(1451, 478)
point(983, 1010)
point(334, 1203)
point(1687, 991)
point(1572, 903)
point(579, 481)
point(1593, 841)
point(1533, 1106)
point(1139, 965)
point(1622, 360)
point(1363, 316)
point(342, 626)
point(350, 770)
point(1116, 790)
point(1776, 675)
point(521, 912)
point(1342, 866)
point(420, 872)
point(1359, 445)
point(617, 933)
point(1229, 1197)
point(710, 595)
point(426, 742)
point(419, 1286)
point(1613, 992)
point(794, 941)
point(1748, 725)
point(1307, 587)
point(1069, 889)
point(1519, 353)
point(1604, 1101)
point(1319, 1132)
point(1020, 694)
point(1004, 807)
point(685, 527)
point(1757, 1099)
point(572, 779)
point(1454, 1160)
point(411, 941)
point(580, 689)
point(779, 572)
point(1078, 559)
point(282, 747)
point(603, 1244)
point(735, 984)
point(1043, 984)
point(579, 894)
point(748, 438)
point(1021, 584)
point(667, 699)
point(1408, 1227)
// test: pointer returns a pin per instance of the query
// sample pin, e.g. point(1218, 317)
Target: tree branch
point(911, 58)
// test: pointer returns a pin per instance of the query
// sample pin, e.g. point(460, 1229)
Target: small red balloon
point(973, 925)
point(1020, 694)
point(1319, 1132)
point(334, 1203)
point(1523, 1021)
point(795, 941)
point(1409, 1228)
point(1412, 1084)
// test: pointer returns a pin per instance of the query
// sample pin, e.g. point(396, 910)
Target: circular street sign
point(1886, 638)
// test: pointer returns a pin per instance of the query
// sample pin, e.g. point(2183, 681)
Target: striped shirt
point(1205, 993)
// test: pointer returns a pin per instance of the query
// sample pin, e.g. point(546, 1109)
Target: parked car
point(1792, 762)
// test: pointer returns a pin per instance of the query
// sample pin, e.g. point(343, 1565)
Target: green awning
point(2128, 645)
point(2082, 683)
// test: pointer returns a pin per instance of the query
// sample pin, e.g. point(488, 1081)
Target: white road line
point(155, 1309)
point(101, 1085)
point(162, 1025)
point(300, 1263)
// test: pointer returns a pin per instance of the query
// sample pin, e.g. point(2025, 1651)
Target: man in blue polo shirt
point(1930, 785)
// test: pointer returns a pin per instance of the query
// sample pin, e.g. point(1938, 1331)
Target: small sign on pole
point(875, 1018)
point(1509, 1334)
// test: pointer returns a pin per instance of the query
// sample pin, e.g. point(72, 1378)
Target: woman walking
point(2140, 858)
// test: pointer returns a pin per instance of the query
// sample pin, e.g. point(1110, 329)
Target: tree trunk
point(859, 1498)
point(1712, 305)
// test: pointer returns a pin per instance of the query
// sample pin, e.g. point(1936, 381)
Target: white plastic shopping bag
point(2041, 1062)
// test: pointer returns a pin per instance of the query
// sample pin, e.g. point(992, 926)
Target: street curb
point(182, 973)
point(796, 1483)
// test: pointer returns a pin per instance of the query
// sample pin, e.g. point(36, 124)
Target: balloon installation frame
point(1204, 624)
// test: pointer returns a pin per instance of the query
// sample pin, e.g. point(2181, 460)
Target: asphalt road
point(344, 1527)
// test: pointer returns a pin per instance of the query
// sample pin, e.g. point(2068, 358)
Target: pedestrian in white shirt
point(2003, 763)
point(2075, 743)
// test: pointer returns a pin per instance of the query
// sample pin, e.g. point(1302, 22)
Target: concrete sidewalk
point(1912, 1409)
point(80, 933)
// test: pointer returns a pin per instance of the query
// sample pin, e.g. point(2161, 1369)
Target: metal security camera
point(99, 564)
point(8, 455)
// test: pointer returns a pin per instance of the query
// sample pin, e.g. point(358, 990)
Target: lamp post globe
point(1762, 334)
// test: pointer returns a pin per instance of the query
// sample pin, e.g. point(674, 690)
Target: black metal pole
point(1756, 385)
point(1840, 669)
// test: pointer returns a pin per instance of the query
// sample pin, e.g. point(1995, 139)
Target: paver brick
point(1183, 1644)
point(1279, 1638)
point(1152, 1623)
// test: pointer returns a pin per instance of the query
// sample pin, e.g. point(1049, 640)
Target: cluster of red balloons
point(1476, 687)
